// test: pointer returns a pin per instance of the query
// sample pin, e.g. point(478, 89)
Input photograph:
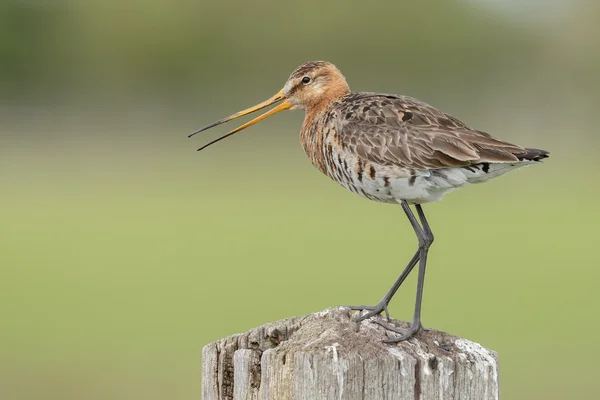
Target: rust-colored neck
point(313, 133)
point(336, 90)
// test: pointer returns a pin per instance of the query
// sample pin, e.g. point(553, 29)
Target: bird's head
point(311, 86)
point(314, 83)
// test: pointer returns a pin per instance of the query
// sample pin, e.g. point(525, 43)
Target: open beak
point(278, 97)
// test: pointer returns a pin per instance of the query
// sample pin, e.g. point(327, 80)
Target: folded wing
point(405, 132)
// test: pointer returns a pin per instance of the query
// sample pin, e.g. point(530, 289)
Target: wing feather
point(405, 132)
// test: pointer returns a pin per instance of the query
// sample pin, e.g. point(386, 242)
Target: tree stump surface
point(328, 356)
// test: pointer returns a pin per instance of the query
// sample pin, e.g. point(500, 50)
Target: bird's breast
point(326, 152)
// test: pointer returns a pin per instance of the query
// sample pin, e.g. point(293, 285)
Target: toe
point(410, 332)
point(389, 327)
point(367, 316)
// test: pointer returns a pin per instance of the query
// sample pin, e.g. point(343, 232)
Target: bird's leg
point(425, 237)
point(427, 230)
point(424, 223)
point(385, 301)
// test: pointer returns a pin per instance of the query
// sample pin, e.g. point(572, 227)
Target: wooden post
point(328, 356)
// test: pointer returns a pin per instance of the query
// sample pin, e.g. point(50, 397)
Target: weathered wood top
point(327, 355)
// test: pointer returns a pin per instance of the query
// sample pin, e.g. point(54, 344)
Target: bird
point(391, 149)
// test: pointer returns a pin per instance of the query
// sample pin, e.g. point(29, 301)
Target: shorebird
point(391, 149)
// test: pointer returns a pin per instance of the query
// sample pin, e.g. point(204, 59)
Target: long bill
point(276, 98)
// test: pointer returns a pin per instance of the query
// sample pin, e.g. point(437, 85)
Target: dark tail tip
point(533, 155)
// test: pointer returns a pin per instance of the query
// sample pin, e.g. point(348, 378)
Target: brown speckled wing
point(404, 132)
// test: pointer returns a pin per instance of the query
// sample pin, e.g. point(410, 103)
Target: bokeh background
point(123, 251)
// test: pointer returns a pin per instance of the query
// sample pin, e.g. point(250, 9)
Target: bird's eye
point(305, 80)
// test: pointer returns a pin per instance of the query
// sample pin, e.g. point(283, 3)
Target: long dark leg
point(425, 237)
point(424, 223)
point(427, 230)
point(384, 302)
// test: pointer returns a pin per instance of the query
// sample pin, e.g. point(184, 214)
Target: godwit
point(391, 149)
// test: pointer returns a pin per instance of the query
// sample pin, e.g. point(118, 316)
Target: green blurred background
point(123, 251)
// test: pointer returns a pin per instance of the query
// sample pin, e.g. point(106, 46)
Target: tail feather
point(481, 172)
point(532, 155)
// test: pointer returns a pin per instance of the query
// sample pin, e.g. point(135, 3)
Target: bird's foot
point(405, 333)
point(372, 311)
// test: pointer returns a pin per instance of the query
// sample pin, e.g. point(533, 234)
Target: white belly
point(433, 185)
point(390, 184)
